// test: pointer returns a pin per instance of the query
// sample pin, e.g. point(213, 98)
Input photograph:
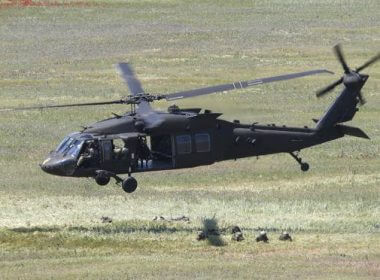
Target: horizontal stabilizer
point(352, 131)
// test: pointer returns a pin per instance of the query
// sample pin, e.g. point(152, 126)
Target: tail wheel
point(129, 185)
point(102, 180)
point(304, 166)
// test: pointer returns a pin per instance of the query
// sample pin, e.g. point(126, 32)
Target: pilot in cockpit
point(88, 154)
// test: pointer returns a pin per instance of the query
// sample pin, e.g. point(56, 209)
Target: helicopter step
point(128, 184)
point(103, 177)
point(304, 165)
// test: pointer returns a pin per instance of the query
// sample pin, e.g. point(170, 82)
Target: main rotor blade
point(329, 88)
point(239, 85)
point(134, 85)
point(62, 106)
point(130, 79)
point(368, 63)
point(339, 55)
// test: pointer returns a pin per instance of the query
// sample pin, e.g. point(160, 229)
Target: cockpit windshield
point(74, 148)
point(64, 145)
point(69, 146)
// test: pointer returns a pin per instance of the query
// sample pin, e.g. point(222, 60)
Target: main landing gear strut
point(103, 177)
point(304, 165)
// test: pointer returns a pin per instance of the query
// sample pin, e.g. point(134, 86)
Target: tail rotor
point(350, 78)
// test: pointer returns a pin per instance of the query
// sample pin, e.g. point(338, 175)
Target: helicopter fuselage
point(181, 139)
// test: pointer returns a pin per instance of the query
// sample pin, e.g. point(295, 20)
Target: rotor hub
point(352, 79)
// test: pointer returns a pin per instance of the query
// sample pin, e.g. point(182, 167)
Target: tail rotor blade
point(368, 63)
point(329, 88)
point(339, 55)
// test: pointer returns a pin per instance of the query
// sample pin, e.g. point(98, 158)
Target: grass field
point(56, 52)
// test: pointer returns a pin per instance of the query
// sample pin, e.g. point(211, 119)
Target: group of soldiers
point(237, 235)
point(91, 152)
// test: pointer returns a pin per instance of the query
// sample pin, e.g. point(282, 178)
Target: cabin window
point(183, 144)
point(107, 150)
point(202, 142)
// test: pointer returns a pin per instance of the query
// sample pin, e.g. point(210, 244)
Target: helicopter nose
point(49, 168)
point(53, 167)
point(45, 165)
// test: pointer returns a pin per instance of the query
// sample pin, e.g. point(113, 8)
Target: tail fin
point(345, 106)
point(342, 110)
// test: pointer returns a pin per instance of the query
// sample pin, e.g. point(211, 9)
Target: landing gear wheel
point(129, 185)
point(304, 166)
point(102, 180)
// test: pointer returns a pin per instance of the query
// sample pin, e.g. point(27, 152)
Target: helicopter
point(153, 140)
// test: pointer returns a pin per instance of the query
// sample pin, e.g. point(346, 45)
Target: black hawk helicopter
point(183, 138)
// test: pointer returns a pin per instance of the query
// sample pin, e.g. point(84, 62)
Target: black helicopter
point(181, 138)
